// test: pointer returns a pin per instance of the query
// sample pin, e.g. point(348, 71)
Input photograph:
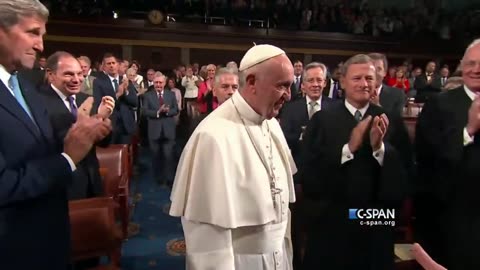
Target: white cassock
point(222, 192)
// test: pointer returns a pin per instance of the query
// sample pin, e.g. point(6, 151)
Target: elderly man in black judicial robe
point(356, 158)
point(448, 155)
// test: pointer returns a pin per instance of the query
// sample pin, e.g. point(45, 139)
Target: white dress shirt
point(64, 98)
point(5, 77)
point(111, 81)
point(467, 139)
point(347, 154)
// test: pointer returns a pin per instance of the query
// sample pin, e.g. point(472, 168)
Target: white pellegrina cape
point(222, 192)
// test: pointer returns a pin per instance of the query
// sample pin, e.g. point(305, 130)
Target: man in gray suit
point(87, 84)
point(391, 99)
point(160, 107)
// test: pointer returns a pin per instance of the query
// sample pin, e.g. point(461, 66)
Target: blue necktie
point(335, 90)
point(73, 107)
point(115, 83)
point(13, 84)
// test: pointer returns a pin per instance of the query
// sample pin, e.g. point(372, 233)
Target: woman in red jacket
point(400, 81)
point(205, 99)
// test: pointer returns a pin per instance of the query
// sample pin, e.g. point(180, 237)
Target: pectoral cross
point(274, 190)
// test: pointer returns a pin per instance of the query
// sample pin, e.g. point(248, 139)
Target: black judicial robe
point(448, 187)
point(331, 188)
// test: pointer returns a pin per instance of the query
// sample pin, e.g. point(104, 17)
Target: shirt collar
point(4, 75)
point(112, 78)
point(319, 101)
point(245, 110)
point(352, 109)
point(469, 92)
point(60, 94)
point(379, 90)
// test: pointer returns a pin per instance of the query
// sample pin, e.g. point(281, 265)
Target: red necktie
point(160, 98)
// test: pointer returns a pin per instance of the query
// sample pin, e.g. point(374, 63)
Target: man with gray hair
point(160, 107)
point(87, 84)
point(234, 212)
point(293, 120)
point(447, 143)
point(355, 160)
point(225, 84)
point(34, 172)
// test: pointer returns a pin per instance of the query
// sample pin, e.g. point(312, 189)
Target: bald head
point(470, 66)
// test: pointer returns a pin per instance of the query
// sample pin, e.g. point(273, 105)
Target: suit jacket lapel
point(8, 101)
point(304, 108)
point(109, 83)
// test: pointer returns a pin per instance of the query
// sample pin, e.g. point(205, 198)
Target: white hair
point(159, 74)
point(314, 65)
point(471, 45)
point(221, 72)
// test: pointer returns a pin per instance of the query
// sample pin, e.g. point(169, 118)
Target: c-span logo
point(354, 213)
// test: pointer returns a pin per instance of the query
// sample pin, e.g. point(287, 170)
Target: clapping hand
point(122, 88)
point(358, 133)
point(106, 107)
point(378, 131)
point(85, 132)
point(473, 124)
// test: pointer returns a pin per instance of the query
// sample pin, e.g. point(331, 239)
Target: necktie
point(297, 83)
point(358, 116)
point(73, 107)
point(335, 90)
point(13, 84)
point(87, 82)
point(160, 98)
point(115, 83)
point(312, 109)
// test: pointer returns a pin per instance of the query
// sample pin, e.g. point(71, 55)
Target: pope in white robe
point(234, 184)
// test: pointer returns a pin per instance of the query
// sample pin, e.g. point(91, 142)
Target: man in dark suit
point(294, 119)
point(160, 107)
point(296, 114)
point(354, 161)
point(333, 89)
point(391, 99)
point(62, 99)
point(427, 84)
point(296, 88)
point(448, 151)
point(444, 75)
point(34, 173)
point(124, 94)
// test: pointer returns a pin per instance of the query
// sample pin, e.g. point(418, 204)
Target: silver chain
point(268, 166)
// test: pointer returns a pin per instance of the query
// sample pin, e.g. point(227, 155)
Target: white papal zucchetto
point(258, 54)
